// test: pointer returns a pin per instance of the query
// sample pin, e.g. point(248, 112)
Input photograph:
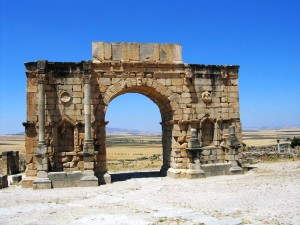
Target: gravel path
point(269, 194)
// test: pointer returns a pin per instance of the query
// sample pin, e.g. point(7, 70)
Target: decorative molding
point(139, 82)
point(206, 97)
point(41, 66)
point(65, 97)
point(41, 78)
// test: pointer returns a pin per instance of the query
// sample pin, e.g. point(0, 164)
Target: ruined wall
point(200, 97)
point(9, 163)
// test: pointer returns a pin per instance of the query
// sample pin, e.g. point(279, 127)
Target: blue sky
point(262, 36)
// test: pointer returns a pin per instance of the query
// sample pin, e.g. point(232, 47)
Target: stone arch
point(160, 95)
point(146, 86)
point(154, 70)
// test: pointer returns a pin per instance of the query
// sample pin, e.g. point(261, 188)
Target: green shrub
point(295, 142)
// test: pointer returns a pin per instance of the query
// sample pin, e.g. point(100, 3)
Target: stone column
point(278, 146)
point(42, 181)
point(195, 149)
point(216, 134)
point(234, 144)
point(89, 178)
point(87, 114)
point(41, 110)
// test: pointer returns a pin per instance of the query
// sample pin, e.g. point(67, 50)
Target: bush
point(295, 142)
point(155, 157)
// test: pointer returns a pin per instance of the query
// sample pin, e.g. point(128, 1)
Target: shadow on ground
point(126, 175)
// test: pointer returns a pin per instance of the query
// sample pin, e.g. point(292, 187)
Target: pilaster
point(42, 181)
point(89, 178)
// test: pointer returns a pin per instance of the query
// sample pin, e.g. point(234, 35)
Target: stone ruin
point(67, 102)
point(9, 165)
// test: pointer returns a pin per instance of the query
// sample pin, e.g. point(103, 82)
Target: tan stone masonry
point(191, 97)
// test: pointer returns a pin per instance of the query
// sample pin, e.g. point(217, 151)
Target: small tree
point(295, 142)
point(244, 146)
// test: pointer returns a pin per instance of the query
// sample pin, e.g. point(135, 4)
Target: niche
point(65, 136)
point(207, 129)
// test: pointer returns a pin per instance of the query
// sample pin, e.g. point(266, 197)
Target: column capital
point(41, 78)
point(42, 66)
point(86, 78)
point(86, 68)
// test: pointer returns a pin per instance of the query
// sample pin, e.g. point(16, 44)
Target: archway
point(80, 93)
point(155, 91)
point(133, 134)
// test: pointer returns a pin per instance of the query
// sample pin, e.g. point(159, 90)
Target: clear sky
point(262, 36)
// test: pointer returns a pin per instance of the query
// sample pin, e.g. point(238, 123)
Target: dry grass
point(133, 152)
point(269, 137)
point(125, 165)
point(12, 143)
point(124, 156)
point(137, 157)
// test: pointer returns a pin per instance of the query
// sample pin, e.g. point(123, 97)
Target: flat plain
point(269, 137)
point(12, 143)
point(121, 143)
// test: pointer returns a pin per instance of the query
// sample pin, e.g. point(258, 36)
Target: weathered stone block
point(149, 52)
point(173, 173)
point(27, 182)
point(41, 183)
point(30, 173)
point(216, 169)
point(3, 181)
point(88, 165)
point(170, 53)
point(16, 179)
point(193, 174)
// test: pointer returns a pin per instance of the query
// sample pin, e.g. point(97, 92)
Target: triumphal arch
point(67, 102)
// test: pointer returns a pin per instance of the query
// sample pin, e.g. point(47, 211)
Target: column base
point(88, 148)
point(235, 170)
point(27, 182)
point(193, 174)
point(175, 173)
point(107, 178)
point(42, 181)
point(41, 149)
point(89, 179)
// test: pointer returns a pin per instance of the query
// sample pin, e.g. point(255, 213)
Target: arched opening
point(133, 134)
point(159, 94)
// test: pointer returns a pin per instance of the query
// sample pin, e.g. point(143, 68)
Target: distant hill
point(21, 133)
point(258, 128)
point(111, 130)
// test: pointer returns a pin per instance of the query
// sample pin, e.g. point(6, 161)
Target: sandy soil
point(269, 194)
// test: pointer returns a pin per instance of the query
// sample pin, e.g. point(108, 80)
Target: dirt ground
point(269, 194)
